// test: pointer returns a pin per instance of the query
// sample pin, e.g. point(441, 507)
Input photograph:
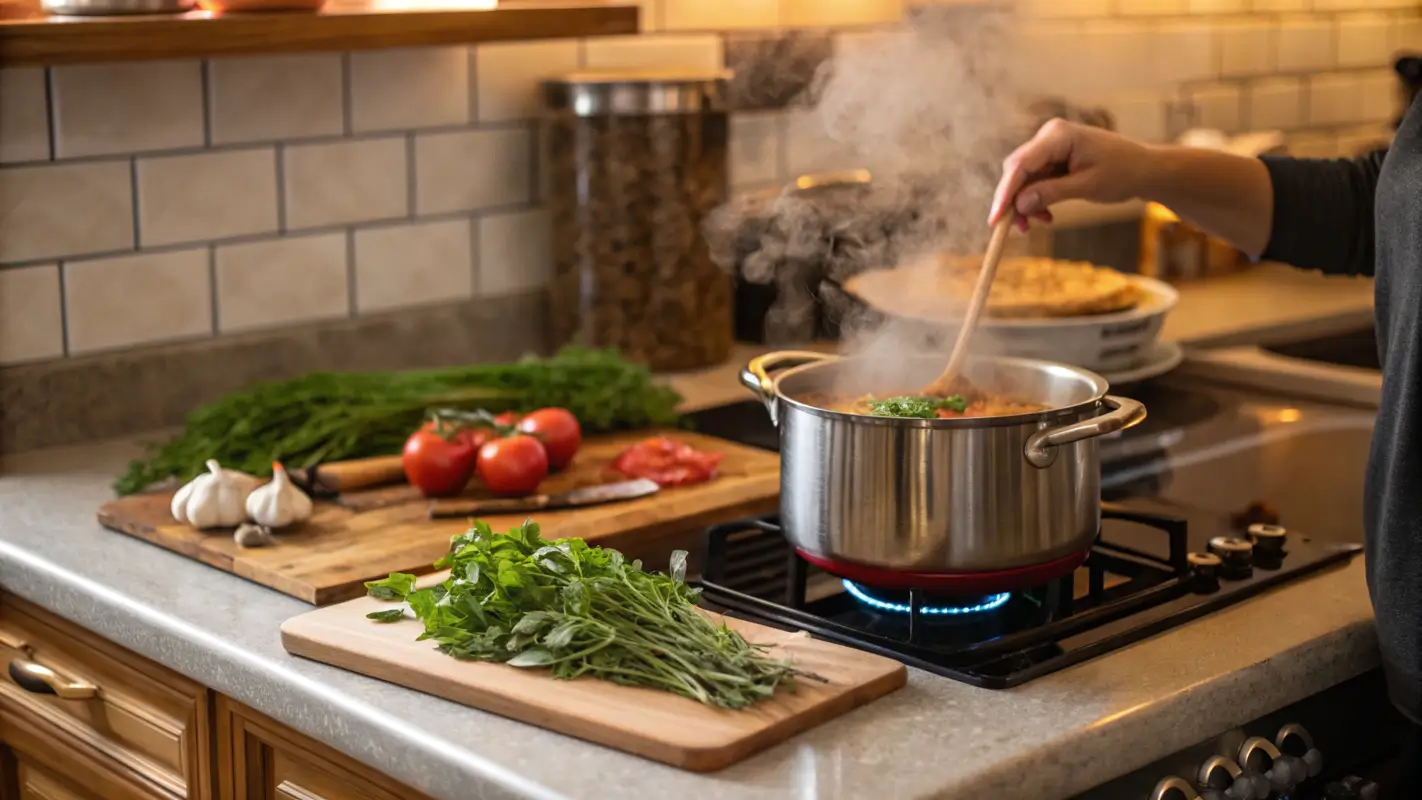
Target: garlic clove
point(280, 503)
point(250, 535)
point(217, 498)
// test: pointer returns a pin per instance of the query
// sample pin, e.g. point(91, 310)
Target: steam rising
point(931, 110)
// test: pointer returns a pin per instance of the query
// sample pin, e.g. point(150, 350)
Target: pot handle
point(757, 374)
point(1041, 447)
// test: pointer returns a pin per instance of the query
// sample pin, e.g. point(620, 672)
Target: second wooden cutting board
point(328, 558)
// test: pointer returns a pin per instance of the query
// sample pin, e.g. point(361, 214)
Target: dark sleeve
point(1323, 212)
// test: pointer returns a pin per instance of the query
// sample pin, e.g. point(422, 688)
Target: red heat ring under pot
point(961, 583)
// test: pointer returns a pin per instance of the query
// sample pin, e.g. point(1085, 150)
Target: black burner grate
point(1136, 582)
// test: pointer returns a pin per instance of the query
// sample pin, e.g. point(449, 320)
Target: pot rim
point(1100, 388)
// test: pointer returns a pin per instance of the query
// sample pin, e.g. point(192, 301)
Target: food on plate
point(279, 503)
point(559, 432)
point(581, 610)
point(439, 458)
point(667, 462)
point(512, 465)
point(326, 416)
point(956, 406)
point(1025, 287)
point(215, 499)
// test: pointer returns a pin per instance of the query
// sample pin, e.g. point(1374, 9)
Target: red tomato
point(559, 432)
point(508, 419)
point(439, 463)
point(513, 466)
point(667, 462)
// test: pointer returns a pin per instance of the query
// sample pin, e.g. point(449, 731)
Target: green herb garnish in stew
point(917, 407)
point(582, 610)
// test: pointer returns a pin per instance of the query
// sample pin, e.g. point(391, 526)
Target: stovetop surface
point(1207, 462)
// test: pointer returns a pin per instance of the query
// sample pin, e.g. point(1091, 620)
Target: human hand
point(1068, 161)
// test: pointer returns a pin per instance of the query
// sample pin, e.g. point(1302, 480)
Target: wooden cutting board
point(329, 557)
point(653, 724)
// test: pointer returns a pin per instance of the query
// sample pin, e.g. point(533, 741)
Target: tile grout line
point(280, 160)
point(205, 76)
point(475, 279)
point(410, 179)
point(134, 198)
point(51, 111)
point(212, 287)
point(347, 111)
point(350, 274)
point(63, 310)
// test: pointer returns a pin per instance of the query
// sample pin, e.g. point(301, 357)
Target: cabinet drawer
point(140, 721)
point(36, 783)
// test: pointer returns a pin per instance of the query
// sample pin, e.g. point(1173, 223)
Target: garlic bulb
point(279, 503)
point(214, 499)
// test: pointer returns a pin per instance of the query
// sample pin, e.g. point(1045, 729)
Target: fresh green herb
point(919, 407)
point(329, 416)
point(581, 610)
point(396, 587)
point(388, 615)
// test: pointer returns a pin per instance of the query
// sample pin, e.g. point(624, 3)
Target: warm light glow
point(1289, 415)
point(434, 5)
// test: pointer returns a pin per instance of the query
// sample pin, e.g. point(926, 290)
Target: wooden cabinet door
point(258, 758)
point(35, 782)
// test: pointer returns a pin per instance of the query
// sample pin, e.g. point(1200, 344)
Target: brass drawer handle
point(40, 679)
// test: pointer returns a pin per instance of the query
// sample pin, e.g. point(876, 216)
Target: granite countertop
point(1053, 737)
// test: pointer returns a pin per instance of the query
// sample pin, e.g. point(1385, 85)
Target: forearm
point(1228, 196)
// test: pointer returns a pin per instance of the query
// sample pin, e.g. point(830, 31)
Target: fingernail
point(1029, 203)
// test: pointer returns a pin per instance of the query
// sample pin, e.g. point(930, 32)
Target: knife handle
point(496, 505)
point(361, 473)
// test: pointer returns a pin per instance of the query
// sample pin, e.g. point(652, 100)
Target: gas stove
point(1216, 497)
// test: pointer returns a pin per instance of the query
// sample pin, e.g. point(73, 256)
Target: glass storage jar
point(636, 160)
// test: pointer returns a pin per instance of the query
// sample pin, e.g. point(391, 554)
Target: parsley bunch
point(581, 610)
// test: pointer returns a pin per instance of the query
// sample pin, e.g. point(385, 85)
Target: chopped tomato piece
point(667, 462)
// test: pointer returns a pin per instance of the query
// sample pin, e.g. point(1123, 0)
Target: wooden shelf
point(27, 36)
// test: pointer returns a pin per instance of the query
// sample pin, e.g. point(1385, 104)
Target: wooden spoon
point(943, 384)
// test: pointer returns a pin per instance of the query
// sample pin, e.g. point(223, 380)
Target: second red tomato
point(513, 466)
point(559, 432)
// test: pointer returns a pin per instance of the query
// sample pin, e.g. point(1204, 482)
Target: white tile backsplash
point(126, 108)
point(821, 13)
point(1219, 106)
point(471, 170)
point(809, 149)
point(712, 15)
point(514, 254)
point(1139, 114)
point(24, 115)
point(1246, 48)
point(1218, 6)
point(1112, 56)
point(284, 281)
point(1362, 40)
point(1334, 100)
point(1066, 9)
point(1183, 52)
point(138, 299)
point(756, 148)
point(269, 98)
point(1305, 45)
point(65, 209)
point(337, 183)
point(1275, 104)
point(509, 76)
point(414, 264)
point(1381, 101)
point(662, 51)
point(1152, 7)
point(409, 88)
point(31, 314)
point(206, 196)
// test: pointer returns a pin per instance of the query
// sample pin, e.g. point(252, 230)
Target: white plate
point(1162, 358)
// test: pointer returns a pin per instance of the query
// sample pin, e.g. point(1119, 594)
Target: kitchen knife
point(327, 480)
point(587, 496)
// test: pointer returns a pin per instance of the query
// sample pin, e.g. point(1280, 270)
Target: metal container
point(635, 163)
point(970, 495)
point(114, 8)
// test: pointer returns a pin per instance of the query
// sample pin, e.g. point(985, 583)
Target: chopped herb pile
point(330, 416)
point(918, 407)
point(581, 610)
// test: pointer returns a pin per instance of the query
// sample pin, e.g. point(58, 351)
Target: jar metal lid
point(655, 92)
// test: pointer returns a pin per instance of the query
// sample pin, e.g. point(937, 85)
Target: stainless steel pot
point(939, 495)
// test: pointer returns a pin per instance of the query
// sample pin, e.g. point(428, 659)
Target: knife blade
point(587, 496)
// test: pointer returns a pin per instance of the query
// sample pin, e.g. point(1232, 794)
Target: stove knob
point(1174, 788)
point(1313, 759)
point(1245, 787)
point(1293, 739)
point(1214, 794)
point(1219, 773)
point(1369, 791)
point(1204, 572)
point(1236, 557)
point(1269, 543)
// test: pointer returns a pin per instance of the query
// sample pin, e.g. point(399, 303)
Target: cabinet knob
point(40, 679)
